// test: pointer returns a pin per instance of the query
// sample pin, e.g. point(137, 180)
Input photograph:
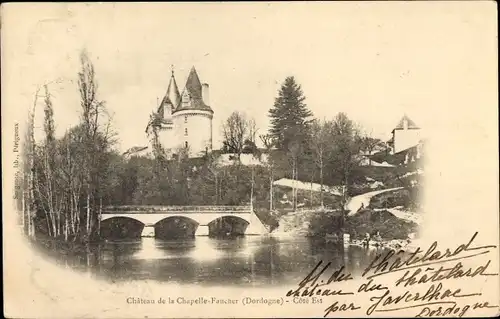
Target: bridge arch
point(122, 216)
point(176, 226)
point(121, 227)
point(228, 225)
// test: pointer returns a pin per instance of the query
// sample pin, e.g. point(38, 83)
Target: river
point(250, 260)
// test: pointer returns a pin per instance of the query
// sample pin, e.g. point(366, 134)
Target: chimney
point(205, 94)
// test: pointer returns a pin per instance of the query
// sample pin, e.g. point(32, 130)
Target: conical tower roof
point(172, 96)
point(410, 123)
point(193, 84)
point(194, 89)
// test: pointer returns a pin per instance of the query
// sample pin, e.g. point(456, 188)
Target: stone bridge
point(149, 215)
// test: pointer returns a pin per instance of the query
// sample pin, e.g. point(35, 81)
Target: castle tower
point(193, 116)
point(184, 120)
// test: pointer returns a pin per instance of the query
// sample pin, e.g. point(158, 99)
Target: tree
point(249, 147)
point(294, 150)
point(269, 143)
point(71, 167)
point(147, 186)
point(289, 115)
point(158, 150)
point(67, 179)
point(346, 141)
point(252, 130)
point(212, 162)
point(182, 175)
point(46, 185)
point(93, 113)
point(234, 132)
point(321, 134)
point(29, 205)
point(369, 144)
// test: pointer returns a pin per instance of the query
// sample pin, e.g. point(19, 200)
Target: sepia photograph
point(250, 159)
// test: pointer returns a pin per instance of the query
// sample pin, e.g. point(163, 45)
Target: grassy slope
point(369, 221)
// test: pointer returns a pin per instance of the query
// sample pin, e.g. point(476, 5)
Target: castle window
point(185, 97)
point(185, 132)
point(186, 144)
point(185, 119)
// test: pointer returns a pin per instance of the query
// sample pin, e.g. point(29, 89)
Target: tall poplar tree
point(96, 141)
point(290, 116)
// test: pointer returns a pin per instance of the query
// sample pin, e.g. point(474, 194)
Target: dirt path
point(356, 202)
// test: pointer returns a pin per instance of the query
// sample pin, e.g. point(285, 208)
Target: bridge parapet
point(156, 209)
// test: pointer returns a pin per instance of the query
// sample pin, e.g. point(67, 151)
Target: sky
point(374, 61)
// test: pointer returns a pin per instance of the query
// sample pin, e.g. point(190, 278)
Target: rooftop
point(401, 126)
point(193, 90)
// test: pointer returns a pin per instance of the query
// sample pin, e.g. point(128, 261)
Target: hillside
point(201, 181)
point(383, 199)
point(319, 223)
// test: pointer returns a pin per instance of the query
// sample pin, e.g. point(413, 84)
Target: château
point(183, 121)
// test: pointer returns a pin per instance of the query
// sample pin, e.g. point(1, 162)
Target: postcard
point(250, 160)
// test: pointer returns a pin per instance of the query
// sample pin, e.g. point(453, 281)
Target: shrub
point(388, 225)
point(324, 223)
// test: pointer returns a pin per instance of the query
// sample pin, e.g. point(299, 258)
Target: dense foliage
point(383, 222)
point(367, 221)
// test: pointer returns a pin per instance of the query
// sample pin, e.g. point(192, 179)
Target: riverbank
point(394, 244)
point(394, 225)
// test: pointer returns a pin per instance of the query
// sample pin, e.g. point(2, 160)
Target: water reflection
point(251, 260)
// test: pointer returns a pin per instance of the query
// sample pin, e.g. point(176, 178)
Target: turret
point(172, 98)
point(173, 91)
point(193, 116)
